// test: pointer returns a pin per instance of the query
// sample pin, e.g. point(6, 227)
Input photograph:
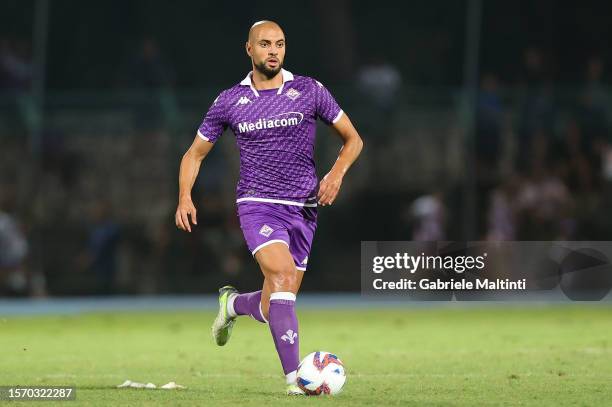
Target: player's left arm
point(352, 145)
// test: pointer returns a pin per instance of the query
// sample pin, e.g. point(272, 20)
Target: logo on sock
point(266, 231)
point(289, 336)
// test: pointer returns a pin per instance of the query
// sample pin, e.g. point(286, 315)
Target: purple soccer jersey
point(275, 133)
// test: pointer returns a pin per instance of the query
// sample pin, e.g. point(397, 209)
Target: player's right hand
point(183, 211)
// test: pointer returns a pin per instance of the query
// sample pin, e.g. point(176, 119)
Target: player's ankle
point(229, 307)
point(291, 377)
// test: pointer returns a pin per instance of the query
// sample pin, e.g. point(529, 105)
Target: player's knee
point(282, 277)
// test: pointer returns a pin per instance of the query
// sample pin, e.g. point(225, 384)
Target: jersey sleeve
point(215, 121)
point(327, 108)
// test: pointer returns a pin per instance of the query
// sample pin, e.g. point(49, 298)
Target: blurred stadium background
point(481, 120)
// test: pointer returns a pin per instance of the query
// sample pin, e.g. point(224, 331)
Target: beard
point(269, 73)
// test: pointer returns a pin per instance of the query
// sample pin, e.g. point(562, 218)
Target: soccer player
point(273, 115)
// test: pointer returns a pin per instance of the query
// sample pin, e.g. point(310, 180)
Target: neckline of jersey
point(268, 91)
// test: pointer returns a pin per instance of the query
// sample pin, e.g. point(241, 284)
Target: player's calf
point(284, 328)
point(246, 304)
point(282, 280)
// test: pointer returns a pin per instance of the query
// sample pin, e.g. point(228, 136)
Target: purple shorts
point(265, 223)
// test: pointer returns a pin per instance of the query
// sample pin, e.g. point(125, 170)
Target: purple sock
point(284, 327)
point(248, 304)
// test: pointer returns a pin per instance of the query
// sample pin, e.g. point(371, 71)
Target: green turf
point(427, 357)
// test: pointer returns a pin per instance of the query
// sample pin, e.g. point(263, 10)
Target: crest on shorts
point(292, 94)
point(266, 231)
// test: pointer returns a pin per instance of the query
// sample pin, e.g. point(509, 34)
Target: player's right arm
point(190, 166)
point(209, 131)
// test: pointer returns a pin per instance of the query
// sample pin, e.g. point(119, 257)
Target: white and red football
point(321, 373)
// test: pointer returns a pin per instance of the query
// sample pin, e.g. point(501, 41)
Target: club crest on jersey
point(292, 94)
point(243, 101)
point(266, 231)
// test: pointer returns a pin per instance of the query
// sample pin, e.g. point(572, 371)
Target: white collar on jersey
point(287, 76)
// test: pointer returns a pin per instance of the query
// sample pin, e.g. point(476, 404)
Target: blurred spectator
point(13, 253)
point(379, 84)
point(575, 161)
point(57, 159)
point(593, 119)
point(537, 110)
point(148, 70)
point(151, 75)
point(502, 214)
point(594, 104)
point(489, 117)
point(220, 234)
point(101, 254)
point(15, 66)
point(15, 83)
point(607, 163)
point(380, 81)
point(545, 206)
point(429, 216)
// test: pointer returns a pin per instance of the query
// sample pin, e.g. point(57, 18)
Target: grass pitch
point(557, 356)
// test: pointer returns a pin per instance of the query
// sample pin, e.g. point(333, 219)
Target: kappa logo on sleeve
point(243, 101)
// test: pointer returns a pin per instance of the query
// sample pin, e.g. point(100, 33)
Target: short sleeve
point(326, 106)
point(215, 121)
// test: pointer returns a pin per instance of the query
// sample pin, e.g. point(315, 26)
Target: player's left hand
point(329, 187)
